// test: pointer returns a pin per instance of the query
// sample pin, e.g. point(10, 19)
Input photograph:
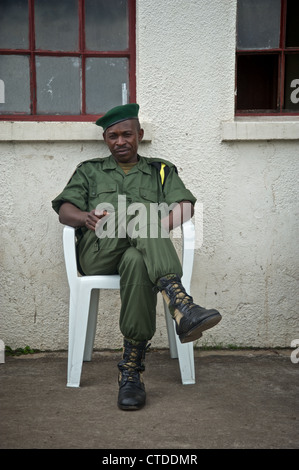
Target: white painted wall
point(248, 263)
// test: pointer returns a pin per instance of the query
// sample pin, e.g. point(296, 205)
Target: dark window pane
point(106, 25)
point(292, 29)
point(292, 82)
point(14, 73)
point(58, 85)
point(56, 25)
point(14, 29)
point(257, 82)
point(258, 24)
point(105, 83)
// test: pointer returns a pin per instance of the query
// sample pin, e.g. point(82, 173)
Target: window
point(65, 60)
point(267, 61)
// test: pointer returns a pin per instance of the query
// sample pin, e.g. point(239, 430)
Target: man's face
point(123, 139)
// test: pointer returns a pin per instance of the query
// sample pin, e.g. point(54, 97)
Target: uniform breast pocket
point(103, 194)
point(148, 195)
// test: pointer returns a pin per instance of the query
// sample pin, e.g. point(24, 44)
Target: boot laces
point(178, 295)
point(130, 375)
point(132, 366)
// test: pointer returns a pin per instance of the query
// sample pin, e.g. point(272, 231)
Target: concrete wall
point(244, 173)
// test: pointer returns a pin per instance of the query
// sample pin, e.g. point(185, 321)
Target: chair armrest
point(69, 250)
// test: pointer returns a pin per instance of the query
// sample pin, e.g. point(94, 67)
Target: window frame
point(281, 51)
point(82, 53)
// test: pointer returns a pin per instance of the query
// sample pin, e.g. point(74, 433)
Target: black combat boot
point(191, 319)
point(131, 394)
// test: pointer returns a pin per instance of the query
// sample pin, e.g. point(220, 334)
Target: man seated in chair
point(106, 192)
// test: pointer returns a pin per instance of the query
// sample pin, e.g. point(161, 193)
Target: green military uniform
point(140, 261)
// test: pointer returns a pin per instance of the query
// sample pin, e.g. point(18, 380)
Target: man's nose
point(120, 140)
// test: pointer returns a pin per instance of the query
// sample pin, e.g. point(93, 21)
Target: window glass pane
point(257, 82)
point(105, 81)
point(292, 29)
point(56, 25)
point(106, 25)
point(292, 82)
point(14, 24)
point(58, 85)
point(14, 73)
point(258, 24)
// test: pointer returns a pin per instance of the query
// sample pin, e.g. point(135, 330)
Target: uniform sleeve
point(75, 192)
point(174, 189)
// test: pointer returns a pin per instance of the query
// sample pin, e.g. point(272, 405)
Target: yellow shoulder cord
point(162, 173)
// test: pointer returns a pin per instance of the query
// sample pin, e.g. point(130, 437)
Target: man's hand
point(71, 215)
point(93, 218)
point(183, 211)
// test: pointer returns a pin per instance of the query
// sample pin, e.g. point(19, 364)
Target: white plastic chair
point(83, 309)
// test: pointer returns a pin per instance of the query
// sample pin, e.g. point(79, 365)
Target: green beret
point(118, 114)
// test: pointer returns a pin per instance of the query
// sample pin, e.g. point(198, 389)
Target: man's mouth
point(122, 151)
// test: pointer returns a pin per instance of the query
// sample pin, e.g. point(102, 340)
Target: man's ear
point(140, 135)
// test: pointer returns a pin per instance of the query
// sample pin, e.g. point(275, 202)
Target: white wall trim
point(56, 131)
point(261, 128)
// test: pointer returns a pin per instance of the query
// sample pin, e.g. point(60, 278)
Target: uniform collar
point(142, 165)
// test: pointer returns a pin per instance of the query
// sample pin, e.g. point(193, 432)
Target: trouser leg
point(101, 256)
point(148, 259)
point(156, 247)
point(138, 299)
point(160, 257)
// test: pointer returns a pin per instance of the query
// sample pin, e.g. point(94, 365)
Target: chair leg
point(71, 332)
point(184, 352)
point(186, 361)
point(92, 324)
point(170, 332)
point(78, 326)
